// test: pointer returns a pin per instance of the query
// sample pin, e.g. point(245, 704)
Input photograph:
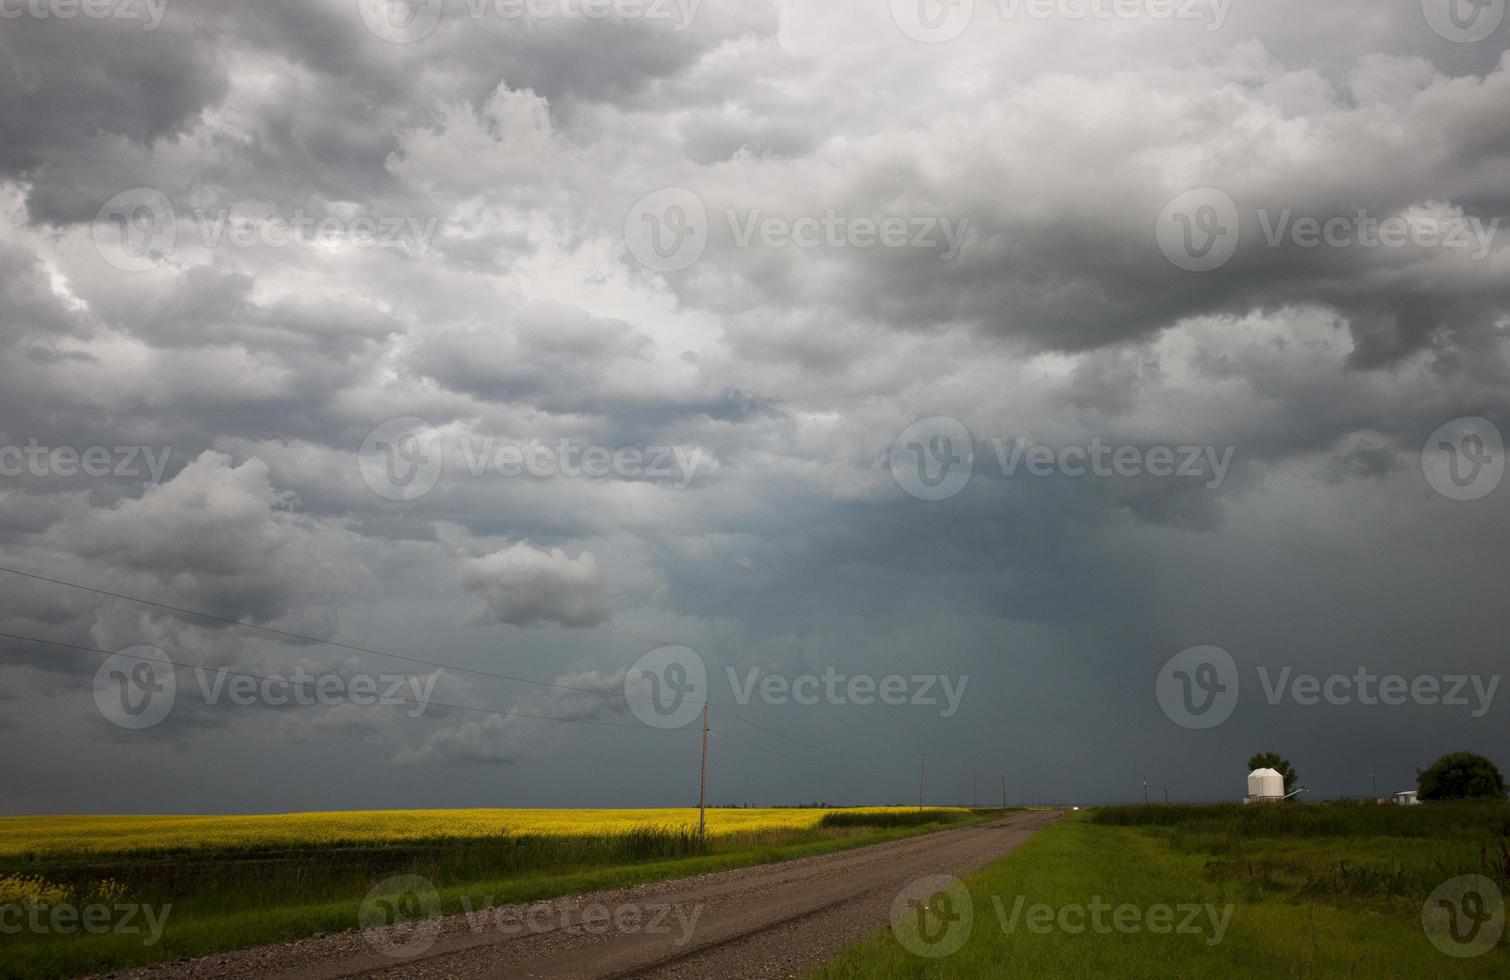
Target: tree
point(1461, 776)
point(1277, 762)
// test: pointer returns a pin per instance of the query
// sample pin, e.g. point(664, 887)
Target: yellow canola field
point(124, 834)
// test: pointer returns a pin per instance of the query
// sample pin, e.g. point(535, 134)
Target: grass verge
point(1250, 893)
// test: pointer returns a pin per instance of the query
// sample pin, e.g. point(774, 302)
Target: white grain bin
point(1265, 786)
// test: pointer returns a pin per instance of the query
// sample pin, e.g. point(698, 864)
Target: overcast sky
point(1029, 343)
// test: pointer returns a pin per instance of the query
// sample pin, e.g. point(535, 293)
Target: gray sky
point(753, 263)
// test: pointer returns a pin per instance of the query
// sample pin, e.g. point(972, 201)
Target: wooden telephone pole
point(702, 792)
point(922, 779)
point(1003, 791)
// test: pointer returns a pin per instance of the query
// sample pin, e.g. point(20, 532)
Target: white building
point(1265, 786)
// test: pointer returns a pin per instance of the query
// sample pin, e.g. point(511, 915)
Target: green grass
point(227, 899)
point(1314, 891)
point(1231, 821)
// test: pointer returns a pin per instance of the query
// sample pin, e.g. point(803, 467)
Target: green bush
point(1462, 776)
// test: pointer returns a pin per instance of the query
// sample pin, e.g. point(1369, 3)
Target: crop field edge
point(208, 936)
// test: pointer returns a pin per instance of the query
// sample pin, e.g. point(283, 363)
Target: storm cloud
point(522, 346)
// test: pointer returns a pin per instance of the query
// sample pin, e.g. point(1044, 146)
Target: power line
point(385, 699)
point(319, 640)
point(287, 634)
point(394, 700)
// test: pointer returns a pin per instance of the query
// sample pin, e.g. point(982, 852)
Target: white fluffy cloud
point(525, 586)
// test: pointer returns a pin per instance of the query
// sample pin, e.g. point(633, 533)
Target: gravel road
point(775, 920)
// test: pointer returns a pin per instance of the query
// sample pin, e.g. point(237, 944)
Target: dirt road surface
point(774, 920)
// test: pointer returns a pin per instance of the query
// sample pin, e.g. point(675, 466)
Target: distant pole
point(922, 780)
point(702, 793)
point(975, 789)
point(1373, 781)
point(1003, 791)
point(1166, 794)
point(1145, 790)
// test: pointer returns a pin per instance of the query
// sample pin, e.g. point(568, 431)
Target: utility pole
point(1166, 794)
point(1145, 790)
point(1373, 781)
point(975, 789)
point(1003, 791)
point(922, 779)
point(702, 792)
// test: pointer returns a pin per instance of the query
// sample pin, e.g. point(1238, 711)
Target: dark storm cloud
point(93, 98)
point(518, 149)
point(1057, 251)
point(79, 85)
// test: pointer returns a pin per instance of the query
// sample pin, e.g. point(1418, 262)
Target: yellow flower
point(30, 890)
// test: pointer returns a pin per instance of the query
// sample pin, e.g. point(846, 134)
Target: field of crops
point(235, 881)
point(80, 835)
